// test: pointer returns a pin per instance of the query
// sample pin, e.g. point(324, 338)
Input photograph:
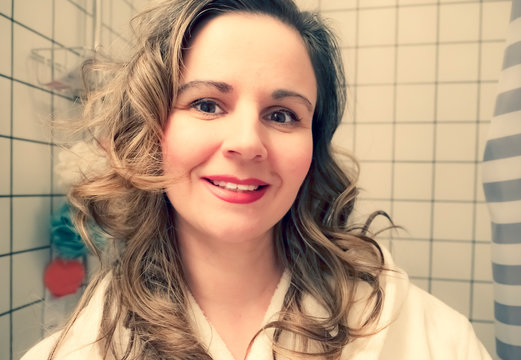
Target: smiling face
point(238, 141)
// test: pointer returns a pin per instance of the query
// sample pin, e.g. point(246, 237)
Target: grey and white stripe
point(502, 185)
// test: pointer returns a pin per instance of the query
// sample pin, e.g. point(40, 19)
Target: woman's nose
point(245, 139)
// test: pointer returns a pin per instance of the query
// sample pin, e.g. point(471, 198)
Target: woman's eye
point(283, 117)
point(207, 106)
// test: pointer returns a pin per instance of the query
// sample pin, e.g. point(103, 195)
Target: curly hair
point(327, 257)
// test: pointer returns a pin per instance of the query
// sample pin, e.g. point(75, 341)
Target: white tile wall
point(416, 64)
point(456, 102)
point(5, 225)
point(417, 265)
point(5, 45)
point(5, 279)
point(5, 161)
point(414, 217)
point(5, 106)
point(415, 103)
point(5, 339)
point(458, 62)
point(414, 142)
point(451, 260)
point(35, 14)
point(452, 221)
point(31, 113)
point(5, 7)
point(34, 233)
point(454, 27)
point(412, 181)
point(27, 329)
point(374, 103)
point(31, 168)
point(25, 67)
point(377, 27)
point(376, 65)
point(375, 179)
point(27, 274)
point(454, 181)
point(27, 195)
point(417, 25)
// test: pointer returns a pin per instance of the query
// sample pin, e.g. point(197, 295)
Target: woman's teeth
point(235, 187)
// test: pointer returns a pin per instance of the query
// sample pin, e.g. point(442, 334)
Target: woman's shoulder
point(417, 323)
point(79, 341)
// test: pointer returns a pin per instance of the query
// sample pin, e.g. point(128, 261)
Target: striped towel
point(502, 185)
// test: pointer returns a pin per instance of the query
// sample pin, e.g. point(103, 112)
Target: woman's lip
point(236, 197)
point(235, 180)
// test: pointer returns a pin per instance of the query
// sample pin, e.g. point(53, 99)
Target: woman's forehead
point(251, 46)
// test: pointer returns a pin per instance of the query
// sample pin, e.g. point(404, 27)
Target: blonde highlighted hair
point(147, 292)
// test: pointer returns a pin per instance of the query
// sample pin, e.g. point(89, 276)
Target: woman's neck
point(230, 273)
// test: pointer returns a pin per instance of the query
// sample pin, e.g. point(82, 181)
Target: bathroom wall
point(422, 78)
point(29, 191)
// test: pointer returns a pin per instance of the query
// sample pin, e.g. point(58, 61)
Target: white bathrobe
point(413, 325)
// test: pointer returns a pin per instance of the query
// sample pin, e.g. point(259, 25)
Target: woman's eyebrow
point(281, 93)
point(221, 86)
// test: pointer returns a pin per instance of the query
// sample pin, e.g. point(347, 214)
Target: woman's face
point(239, 139)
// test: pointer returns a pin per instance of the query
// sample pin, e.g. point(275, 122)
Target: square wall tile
point(5, 283)
point(458, 62)
point(72, 26)
point(414, 217)
point(28, 269)
point(415, 103)
point(344, 25)
point(349, 62)
point(483, 302)
point(495, 19)
point(5, 226)
point(451, 260)
point(412, 256)
point(377, 26)
point(344, 136)
point(31, 168)
point(376, 65)
point(31, 113)
point(5, 106)
point(459, 22)
point(31, 222)
point(454, 181)
point(27, 329)
point(5, 166)
point(36, 15)
point(5, 336)
point(491, 60)
point(453, 221)
point(5, 45)
point(412, 181)
point(375, 180)
point(414, 142)
point(456, 142)
point(487, 100)
point(121, 15)
point(374, 103)
point(308, 5)
point(28, 67)
point(456, 294)
point(5, 8)
point(457, 102)
point(483, 224)
point(417, 24)
point(338, 4)
point(374, 142)
point(482, 262)
point(416, 63)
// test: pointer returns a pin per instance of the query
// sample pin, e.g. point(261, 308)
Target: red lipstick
point(234, 190)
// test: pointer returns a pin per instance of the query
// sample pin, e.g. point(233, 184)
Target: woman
point(228, 214)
